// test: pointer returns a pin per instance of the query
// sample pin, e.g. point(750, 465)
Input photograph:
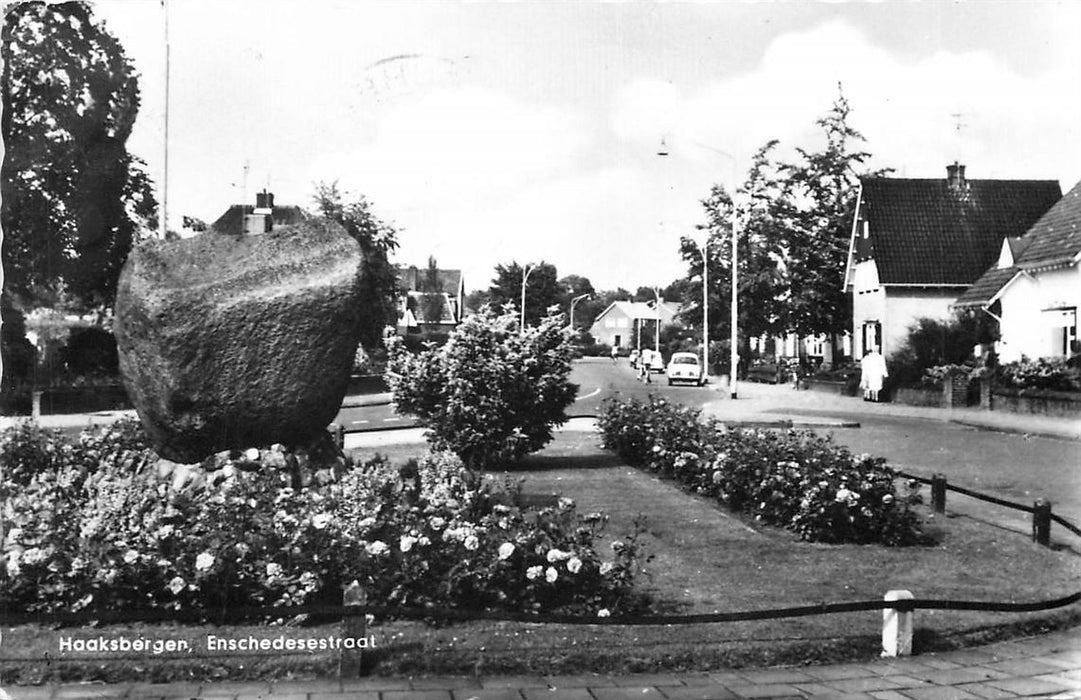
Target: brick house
point(917, 245)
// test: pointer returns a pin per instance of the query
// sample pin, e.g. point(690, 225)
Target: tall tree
point(377, 239)
point(824, 185)
point(74, 199)
point(542, 288)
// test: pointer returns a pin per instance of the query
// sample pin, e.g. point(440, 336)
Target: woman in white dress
point(872, 373)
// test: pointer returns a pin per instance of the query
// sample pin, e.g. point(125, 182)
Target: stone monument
point(229, 342)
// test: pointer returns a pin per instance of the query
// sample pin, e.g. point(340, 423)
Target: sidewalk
point(773, 402)
point(1048, 666)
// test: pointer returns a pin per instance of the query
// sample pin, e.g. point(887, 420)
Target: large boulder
point(229, 342)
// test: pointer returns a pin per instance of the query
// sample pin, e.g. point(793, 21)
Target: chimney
point(261, 220)
point(955, 176)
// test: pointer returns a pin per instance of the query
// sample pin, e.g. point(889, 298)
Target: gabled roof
point(1056, 237)
point(630, 309)
point(233, 218)
point(929, 232)
point(412, 278)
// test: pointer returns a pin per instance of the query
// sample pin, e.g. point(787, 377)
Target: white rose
point(603, 612)
point(131, 556)
point(471, 543)
point(376, 548)
point(252, 454)
point(606, 568)
point(555, 555)
point(406, 543)
point(177, 585)
point(320, 521)
point(574, 565)
point(533, 572)
point(204, 561)
point(505, 550)
point(551, 575)
point(273, 570)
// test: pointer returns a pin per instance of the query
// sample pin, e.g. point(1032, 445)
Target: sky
point(491, 132)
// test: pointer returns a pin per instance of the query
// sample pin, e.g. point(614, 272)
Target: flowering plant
point(136, 532)
point(793, 479)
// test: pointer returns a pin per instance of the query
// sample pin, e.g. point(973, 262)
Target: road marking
point(387, 420)
point(590, 394)
point(360, 422)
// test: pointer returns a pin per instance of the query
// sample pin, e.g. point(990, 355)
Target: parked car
point(684, 367)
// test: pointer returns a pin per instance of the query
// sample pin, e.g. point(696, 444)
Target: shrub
point(1053, 373)
point(91, 352)
point(792, 479)
point(933, 343)
point(491, 393)
point(138, 533)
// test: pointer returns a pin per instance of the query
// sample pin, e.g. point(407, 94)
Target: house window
point(871, 336)
point(1063, 325)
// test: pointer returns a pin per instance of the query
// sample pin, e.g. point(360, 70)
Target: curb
point(1072, 437)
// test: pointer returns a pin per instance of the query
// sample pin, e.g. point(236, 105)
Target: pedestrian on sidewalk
point(872, 373)
point(645, 359)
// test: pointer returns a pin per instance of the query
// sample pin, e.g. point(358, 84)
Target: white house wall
point(1025, 329)
point(868, 302)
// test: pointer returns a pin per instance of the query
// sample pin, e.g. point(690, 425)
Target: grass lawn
point(704, 559)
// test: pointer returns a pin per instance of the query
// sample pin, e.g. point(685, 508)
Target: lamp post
point(575, 300)
point(734, 339)
point(525, 278)
point(657, 327)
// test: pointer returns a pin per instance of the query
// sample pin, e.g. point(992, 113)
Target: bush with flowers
point(787, 478)
point(1053, 373)
point(136, 532)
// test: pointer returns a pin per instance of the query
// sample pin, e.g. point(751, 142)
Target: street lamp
point(657, 328)
point(734, 339)
point(525, 278)
point(575, 300)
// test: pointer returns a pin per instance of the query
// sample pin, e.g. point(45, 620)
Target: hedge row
point(787, 478)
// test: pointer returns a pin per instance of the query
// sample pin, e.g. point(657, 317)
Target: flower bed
point(792, 479)
point(101, 524)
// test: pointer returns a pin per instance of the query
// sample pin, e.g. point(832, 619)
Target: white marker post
point(897, 627)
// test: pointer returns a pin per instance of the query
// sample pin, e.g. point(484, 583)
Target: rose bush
point(135, 532)
point(792, 479)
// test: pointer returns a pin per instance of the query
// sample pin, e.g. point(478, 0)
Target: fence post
point(1041, 522)
point(897, 627)
point(337, 430)
point(938, 493)
point(352, 628)
point(35, 406)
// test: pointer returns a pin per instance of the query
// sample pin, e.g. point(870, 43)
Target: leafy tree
point(932, 342)
point(761, 280)
point(824, 189)
point(377, 240)
point(491, 393)
point(542, 289)
point(476, 299)
point(74, 199)
point(584, 312)
point(432, 288)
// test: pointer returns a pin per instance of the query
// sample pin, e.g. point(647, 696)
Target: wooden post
point(897, 627)
point(352, 628)
point(35, 406)
point(1041, 522)
point(938, 493)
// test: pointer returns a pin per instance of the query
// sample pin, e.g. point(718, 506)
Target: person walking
point(615, 353)
point(644, 361)
point(872, 373)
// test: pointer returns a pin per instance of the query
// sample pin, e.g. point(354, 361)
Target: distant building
point(620, 324)
point(1034, 289)
point(422, 308)
point(918, 244)
point(262, 218)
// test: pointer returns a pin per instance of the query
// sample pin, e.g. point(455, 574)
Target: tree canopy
point(542, 288)
point(377, 239)
point(74, 199)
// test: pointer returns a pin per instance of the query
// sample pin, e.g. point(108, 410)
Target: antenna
point(958, 124)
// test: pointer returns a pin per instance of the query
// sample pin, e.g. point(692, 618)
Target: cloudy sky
point(489, 132)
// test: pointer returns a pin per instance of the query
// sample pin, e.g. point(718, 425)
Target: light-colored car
point(656, 362)
point(684, 367)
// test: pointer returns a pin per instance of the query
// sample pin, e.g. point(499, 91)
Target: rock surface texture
point(231, 342)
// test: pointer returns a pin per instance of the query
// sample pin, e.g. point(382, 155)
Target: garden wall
point(1043, 402)
point(831, 386)
point(917, 397)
